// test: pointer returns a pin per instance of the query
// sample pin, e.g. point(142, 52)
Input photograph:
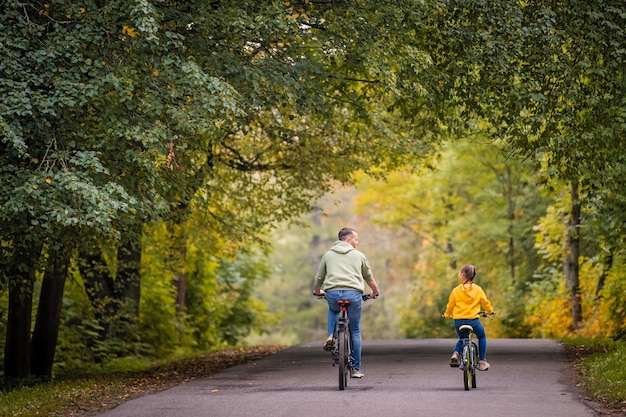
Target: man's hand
point(374, 295)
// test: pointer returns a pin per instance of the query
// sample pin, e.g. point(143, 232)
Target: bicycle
point(342, 341)
point(468, 360)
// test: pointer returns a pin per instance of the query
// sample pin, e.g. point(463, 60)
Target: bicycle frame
point(343, 325)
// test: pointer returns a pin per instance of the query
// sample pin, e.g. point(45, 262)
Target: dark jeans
point(479, 331)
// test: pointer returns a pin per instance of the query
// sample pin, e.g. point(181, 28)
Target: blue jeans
point(479, 331)
point(354, 313)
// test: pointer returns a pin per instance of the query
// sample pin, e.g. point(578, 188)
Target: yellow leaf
point(48, 180)
point(132, 32)
point(155, 73)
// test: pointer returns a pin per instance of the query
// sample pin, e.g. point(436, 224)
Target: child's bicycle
point(468, 361)
point(342, 342)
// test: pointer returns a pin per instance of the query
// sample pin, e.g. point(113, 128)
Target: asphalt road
point(402, 378)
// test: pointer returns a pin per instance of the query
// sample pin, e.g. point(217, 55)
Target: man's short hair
point(345, 233)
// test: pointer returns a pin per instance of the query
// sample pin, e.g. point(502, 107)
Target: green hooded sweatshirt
point(343, 268)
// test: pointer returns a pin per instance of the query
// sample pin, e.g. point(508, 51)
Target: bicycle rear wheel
point(474, 364)
point(467, 368)
point(344, 366)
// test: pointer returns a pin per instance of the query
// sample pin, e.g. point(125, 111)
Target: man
point(342, 275)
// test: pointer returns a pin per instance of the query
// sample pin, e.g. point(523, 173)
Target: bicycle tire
point(467, 369)
point(474, 364)
point(344, 367)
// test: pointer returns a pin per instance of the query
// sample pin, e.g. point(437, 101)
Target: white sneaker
point(328, 345)
point(355, 373)
point(454, 360)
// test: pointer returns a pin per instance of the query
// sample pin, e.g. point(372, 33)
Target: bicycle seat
point(466, 328)
point(343, 302)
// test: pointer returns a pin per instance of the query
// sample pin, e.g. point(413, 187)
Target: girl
point(464, 306)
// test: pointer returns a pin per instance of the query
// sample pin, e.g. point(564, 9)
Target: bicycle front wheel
point(344, 365)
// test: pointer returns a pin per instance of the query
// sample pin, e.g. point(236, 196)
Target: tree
point(549, 78)
point(114, 116)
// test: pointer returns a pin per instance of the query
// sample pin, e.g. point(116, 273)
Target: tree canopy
point(118, 113)
point(129, 125)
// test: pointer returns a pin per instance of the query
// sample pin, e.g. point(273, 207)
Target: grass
point(602, 372)
point(605, 374)
point(64, 397)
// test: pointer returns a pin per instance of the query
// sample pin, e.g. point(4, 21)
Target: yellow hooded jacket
point(465, 302)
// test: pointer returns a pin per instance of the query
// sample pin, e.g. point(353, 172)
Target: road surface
point(402, 378)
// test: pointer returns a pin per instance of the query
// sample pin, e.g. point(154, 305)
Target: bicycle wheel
point(467, 368)
point(474, 364)
point(344, 367)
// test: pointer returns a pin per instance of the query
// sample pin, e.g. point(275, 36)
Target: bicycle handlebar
point(481, 314)
point(364, 296)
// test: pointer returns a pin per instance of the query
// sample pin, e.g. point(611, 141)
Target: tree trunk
point(46, 331)
point(606, 268)
point(572, 250)
point(21, 282)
